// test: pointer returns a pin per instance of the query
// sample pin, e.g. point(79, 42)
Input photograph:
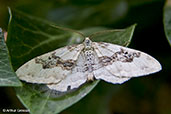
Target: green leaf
point(40, 100)
point(120, 36)
point(7, 75)
point(29, 37)
point(167, 20)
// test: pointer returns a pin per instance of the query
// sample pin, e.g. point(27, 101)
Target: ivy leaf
point(167, 20)
point(120, 36)
point(29, 37)
point(7, 75)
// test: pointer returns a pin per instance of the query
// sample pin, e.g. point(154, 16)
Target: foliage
point(89, 17)
point(28, 37)
point(167, 20)
point(7, 75)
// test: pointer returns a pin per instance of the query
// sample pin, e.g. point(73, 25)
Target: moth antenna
point(105, 31)
point(68, 29)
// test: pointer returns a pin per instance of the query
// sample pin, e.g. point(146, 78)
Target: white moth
point(71, 66)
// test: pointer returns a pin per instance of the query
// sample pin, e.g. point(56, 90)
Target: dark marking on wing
point(69, 87)
point(54, 61)
point(122, 55)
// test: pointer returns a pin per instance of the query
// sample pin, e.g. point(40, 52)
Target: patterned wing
point(121, 63)
point(75, 78)
point(51, 67)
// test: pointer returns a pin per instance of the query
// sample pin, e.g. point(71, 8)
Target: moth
point(70, 67)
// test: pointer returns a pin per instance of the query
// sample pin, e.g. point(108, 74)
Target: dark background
point(143, 95)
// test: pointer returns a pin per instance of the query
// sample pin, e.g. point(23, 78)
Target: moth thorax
point(87, 43)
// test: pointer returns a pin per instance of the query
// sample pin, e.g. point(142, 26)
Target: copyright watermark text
point(14, 110)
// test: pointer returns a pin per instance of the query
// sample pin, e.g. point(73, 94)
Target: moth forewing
point(34, 73)
point(50, 68)
point(124, 62)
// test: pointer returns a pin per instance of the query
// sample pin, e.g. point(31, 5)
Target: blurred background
point(143, 95)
